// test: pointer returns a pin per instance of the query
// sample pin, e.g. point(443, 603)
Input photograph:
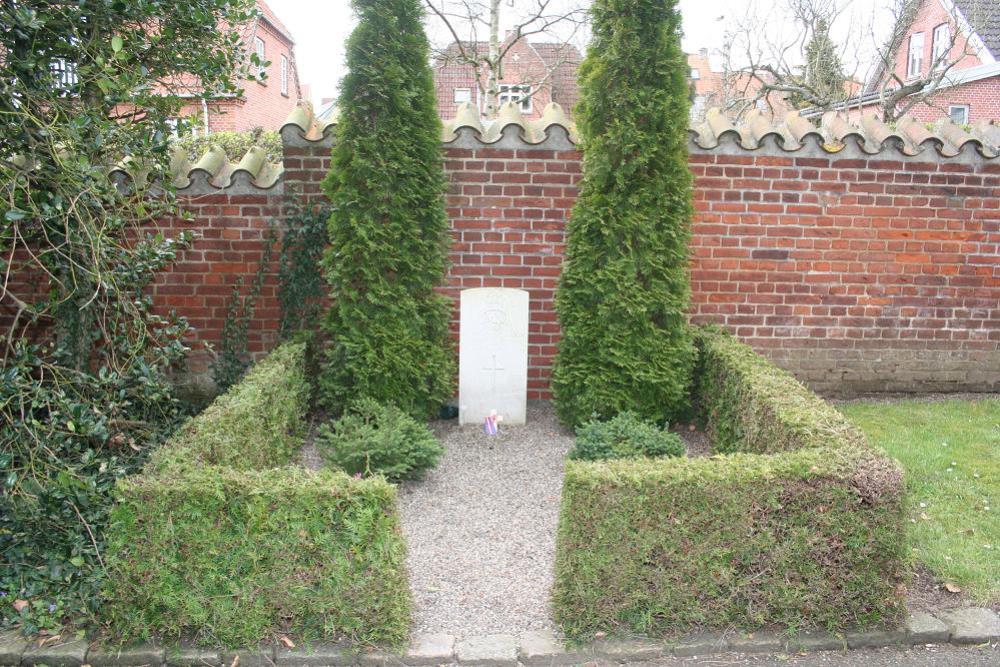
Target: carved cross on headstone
point(496, 369)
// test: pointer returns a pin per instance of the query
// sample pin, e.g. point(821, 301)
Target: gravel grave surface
point(480, 527)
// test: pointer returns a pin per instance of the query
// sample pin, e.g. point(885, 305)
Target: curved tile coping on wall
point(756, 133)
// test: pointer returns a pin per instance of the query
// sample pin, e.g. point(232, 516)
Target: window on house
point(942, 44)
point(959, 113)
point(915, 61)
point(284, 75)
point(514, 93)
point(463, 95)
point(259, 46)
point(695, 74)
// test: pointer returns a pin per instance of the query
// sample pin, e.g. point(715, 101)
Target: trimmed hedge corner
point(236, 556)
point(258, 423)
point(801, 525)
point(215, 543)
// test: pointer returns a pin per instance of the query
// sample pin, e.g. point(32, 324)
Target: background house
point(734, 92)
point(533, 74)
point(266, 102)
point(966, 32)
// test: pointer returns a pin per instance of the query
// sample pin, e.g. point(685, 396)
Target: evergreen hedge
point(387, 327)
point(216, 544)
point(258, 423)
point(799, 525)
point(624, 289)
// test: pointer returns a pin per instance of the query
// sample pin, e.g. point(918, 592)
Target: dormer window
point(941, 45)
point(914, 63)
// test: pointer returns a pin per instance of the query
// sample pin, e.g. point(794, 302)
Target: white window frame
point(915, 55)
point(941, 45)
point(259, 48)
point(284, 74)
point(695, 74)
point(964, 108)
point(65, 73)
point(459, 98)
point(515, 92)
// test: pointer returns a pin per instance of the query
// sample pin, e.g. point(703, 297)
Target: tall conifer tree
point(624, 291)
point(387, 328)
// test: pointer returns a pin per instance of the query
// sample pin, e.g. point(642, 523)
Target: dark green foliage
point(234, 144)
point(824, 73)
point(376, 439)
point(624, 436)
point(233, 358)
point(83, 409)
point(236, 557)
point(258, 423)
point(387, 328)
point(300, 279)
point(623, 294)
point(811, 535)
point(214, 544)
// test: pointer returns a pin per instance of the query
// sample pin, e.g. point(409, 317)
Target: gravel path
point(480, 528)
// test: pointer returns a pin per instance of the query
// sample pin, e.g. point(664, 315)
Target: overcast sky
point(320, 29)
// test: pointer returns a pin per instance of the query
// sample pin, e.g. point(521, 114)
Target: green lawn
point(951, 453)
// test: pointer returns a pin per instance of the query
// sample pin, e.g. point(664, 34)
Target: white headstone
point(493, 355)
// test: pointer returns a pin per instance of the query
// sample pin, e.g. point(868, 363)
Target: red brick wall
point(508, 209)
point(232, 229)
point(861, 274)
point(857, 273)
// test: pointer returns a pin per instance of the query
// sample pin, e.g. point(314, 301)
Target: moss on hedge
point(801, 525)
point(749, 404)
point(221, 555)
point(258, 423)
point(661, 546)
point(217, 544)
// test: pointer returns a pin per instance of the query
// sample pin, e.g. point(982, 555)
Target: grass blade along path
point(951, 452)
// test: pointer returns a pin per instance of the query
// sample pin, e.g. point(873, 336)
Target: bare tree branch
point(559, 21)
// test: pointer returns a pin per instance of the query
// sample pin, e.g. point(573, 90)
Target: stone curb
point(971, 625)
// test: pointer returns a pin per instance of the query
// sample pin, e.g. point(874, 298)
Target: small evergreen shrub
point(387, 327)
point(377, 439)
point(623, 294)
point(624, 436)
